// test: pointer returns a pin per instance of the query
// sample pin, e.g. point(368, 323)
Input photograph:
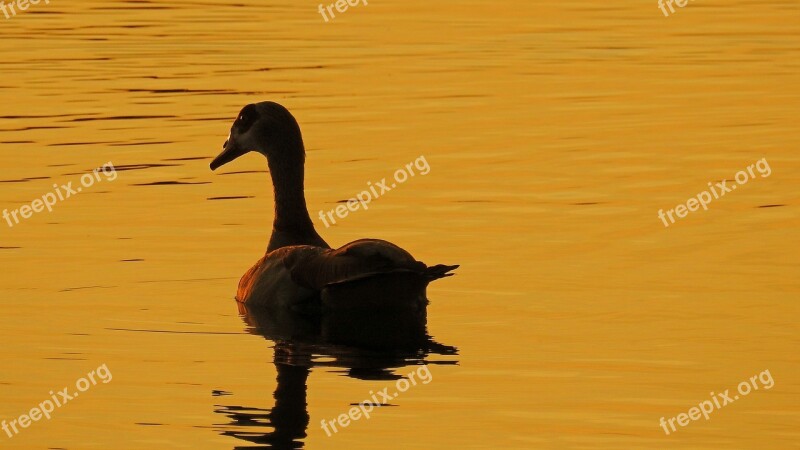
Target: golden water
point(554, 133)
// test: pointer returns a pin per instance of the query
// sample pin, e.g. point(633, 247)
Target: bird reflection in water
point(368, 344)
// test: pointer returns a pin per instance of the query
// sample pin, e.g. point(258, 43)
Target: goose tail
point(440, 271)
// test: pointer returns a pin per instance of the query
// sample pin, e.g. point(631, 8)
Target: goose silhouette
point(300, 271)
point(367, 344)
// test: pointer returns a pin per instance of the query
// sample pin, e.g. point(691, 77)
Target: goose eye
point(246, 118)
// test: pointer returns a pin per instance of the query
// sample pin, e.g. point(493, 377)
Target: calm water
point(554, 134)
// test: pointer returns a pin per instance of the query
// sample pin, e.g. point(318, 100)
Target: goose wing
point(317, 268)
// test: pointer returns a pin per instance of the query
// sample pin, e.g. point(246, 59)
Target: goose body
point(300, 271)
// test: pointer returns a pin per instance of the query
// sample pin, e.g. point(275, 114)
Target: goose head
point(267, 128)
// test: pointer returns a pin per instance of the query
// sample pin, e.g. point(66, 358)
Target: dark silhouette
point(370, 345)
point(300, 270)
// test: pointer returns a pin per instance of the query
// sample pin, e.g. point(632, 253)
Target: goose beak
point(230, 151)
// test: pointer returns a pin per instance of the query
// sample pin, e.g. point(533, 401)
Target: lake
point(553, 134)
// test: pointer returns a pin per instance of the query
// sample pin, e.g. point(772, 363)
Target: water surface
point(554, 132)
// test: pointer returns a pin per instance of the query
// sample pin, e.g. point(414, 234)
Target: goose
point(300, 271)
